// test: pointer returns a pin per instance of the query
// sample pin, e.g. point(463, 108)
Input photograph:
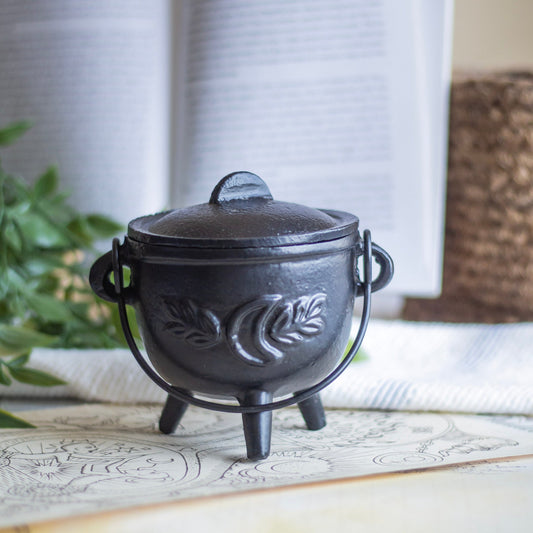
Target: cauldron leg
point(257, 426)
point(313, 412)
point(172, 414)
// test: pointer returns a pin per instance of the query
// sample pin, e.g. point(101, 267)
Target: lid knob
point(240, 186)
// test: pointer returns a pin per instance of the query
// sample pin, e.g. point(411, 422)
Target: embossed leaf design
point(199, 327)
point(299, 319)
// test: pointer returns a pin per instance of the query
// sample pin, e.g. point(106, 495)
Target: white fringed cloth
point(415, 366)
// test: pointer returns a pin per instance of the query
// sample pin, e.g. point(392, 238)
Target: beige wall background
point(493, 34)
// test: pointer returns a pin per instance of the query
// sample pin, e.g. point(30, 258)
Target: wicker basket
point(488, 253)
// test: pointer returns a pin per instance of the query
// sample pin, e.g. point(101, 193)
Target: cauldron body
point(243, 298)
point(249, 323)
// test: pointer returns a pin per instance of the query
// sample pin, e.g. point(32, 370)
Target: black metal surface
point(257, 426)
point(249, 323)
point(313, 412)
point(172, 414)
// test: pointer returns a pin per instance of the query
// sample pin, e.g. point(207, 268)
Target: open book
point(145, 105)
point(83, 460)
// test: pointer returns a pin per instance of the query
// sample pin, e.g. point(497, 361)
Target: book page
point(434, 21)
point(322, 100)
point(92, 77)
point(92, 458)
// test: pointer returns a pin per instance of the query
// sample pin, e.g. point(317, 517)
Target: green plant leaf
point(16, 340)
point(43, 300)
point(7, 420)
point(16, 194)
point(80, 230)
point(102, 226)
point(41, 265)
point(19, 361)
point(41, 233)
point(32, 376)
point(4, 378)
point(48, 307)
point(115, 318)
point(47, 184)
point(2, 198)
point(361, 355)
point(11, 133)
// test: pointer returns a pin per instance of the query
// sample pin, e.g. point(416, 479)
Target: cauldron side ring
point(364, 287)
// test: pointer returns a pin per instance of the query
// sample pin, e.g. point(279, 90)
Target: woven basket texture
point(488, 248)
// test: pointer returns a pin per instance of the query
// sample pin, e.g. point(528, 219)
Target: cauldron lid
point(242, 213)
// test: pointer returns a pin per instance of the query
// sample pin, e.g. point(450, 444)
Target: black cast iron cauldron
point(243, 298)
